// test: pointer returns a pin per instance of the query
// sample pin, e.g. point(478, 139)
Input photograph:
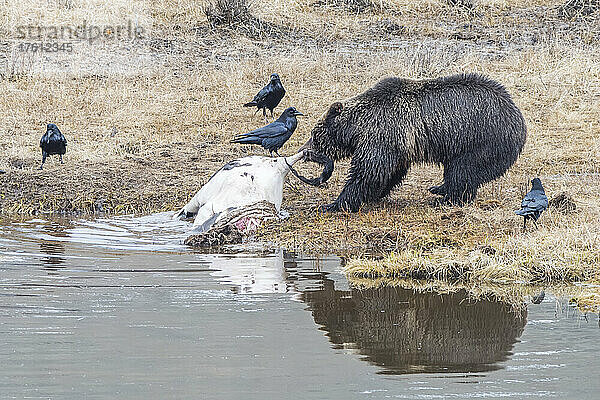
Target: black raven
point(534, 203)
point(274, 135)
point(53, 142)
point(268, 97)
point(537, 299)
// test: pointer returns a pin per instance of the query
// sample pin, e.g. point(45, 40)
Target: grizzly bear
point(467, 123)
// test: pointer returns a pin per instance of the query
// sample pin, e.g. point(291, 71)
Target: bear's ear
point(335, 110)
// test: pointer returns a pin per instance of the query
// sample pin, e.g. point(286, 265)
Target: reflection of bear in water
point(467, 123)
point(408, 332)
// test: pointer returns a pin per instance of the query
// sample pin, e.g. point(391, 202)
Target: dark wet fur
point(53, 143)
point(467, 123)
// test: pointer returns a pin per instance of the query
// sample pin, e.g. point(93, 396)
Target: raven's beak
point(298, 113)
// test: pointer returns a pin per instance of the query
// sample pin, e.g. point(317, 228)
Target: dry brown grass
point(148, 121)
point(538, 257)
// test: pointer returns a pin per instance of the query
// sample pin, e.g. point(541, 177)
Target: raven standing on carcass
point(53, 142)
point(268, 97)
point(274, 135)
point(534, 203)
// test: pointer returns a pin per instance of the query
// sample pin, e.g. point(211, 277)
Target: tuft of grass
point(587, 300)
point(227, 12)
point(578, 8)
point(352, 6)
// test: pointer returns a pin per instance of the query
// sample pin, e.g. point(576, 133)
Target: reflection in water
point(137, 315)
point(407, 332)
point(397, 329)
point(54, 248)
point(253, 275)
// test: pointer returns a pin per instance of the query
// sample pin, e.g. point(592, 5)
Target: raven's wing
point(274, 129)
point(280, 92)
point(534, 201)
point(275, 143)
point(262, 94)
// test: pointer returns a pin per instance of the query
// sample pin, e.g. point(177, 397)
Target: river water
point(119, 308)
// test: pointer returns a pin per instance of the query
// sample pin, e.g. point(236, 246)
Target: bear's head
point(332, 135)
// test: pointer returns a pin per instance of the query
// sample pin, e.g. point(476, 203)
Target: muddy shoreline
point(158, 180)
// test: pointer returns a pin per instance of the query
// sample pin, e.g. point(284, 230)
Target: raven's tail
point(247, 140)
point(251, 104)
point(522, 212)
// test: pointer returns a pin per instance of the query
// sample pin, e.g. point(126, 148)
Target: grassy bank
point(148, 121)
point(539, 257)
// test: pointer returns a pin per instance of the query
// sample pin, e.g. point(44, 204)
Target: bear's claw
point(333, 207)
point(439, 190)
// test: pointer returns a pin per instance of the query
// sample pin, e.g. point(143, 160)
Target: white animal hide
point(239, 183)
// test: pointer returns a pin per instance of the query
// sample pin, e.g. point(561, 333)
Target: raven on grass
point(271, 137)
point(53, 142)
point(268, 97)
point(534, 203)
point(537, 299)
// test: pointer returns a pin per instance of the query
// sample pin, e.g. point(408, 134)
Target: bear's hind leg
point(465, 174)
point(461, 195)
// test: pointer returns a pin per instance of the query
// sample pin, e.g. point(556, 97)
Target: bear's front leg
point(365, 183)
point(345, 202)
